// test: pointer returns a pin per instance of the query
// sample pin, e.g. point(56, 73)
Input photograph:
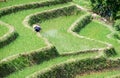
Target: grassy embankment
point(3, 30)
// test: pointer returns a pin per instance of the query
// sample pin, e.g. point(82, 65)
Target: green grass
point(101, 74)
point(27, 40)
point(55, 31)
point(30, 70)
point(98, 31)
point(83, 3)
point(3, 30)
point(17, 2)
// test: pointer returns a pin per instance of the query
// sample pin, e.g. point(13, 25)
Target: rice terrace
point(59, 38)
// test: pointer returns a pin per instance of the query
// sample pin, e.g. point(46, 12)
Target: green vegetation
point(101, 74)
point(106, 8)
point(8, 37)
point(26, 37)
point(3, 30)
point(99, 31)
point(16, 48)
point(56, 32)
point(117, 25)
point(54, 13)
point(70, 43)
point(71, 68)
point(48, 64)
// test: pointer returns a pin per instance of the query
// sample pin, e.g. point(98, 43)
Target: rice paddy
point(84, 46)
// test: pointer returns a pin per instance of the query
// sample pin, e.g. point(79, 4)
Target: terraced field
point(71, 43)
point(105, 36)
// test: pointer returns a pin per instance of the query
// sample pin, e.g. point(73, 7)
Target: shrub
point(117, 35)
point(106, 8)
point(117, 25)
